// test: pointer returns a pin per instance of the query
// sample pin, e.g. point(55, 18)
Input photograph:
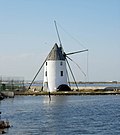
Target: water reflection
point(56, 100)
point(55, 113)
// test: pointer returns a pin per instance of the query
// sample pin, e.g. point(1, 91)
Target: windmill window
point(61, 73)
point(61, 63)
point(46, 63)
point(45, 73)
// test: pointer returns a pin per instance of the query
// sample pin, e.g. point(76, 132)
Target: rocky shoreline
point(37, 90)
point(86, 91)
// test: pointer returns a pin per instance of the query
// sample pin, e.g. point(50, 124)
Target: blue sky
point(27, 34)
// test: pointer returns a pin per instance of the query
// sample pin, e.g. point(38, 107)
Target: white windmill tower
point(55, 70)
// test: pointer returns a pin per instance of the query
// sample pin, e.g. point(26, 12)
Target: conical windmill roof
point(56, 53)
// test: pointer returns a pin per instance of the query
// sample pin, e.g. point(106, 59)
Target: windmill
point(55, 68)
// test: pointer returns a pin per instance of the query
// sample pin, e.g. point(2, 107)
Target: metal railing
point(11, 83)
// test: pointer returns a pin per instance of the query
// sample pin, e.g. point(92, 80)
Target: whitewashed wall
point(54, 78)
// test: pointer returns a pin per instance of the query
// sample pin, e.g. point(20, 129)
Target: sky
point(27, 34)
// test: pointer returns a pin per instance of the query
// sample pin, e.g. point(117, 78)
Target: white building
point(55, 71)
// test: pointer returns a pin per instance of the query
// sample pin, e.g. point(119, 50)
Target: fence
point(11, 83)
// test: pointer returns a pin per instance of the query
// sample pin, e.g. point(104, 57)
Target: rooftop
point(56, 53)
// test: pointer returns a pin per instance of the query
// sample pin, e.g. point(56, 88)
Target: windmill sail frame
point(55, 71)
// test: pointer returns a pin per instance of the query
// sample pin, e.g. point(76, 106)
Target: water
point(73, 115)
point(86, 85)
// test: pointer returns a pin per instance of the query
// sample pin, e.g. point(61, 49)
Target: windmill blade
point(68, 78)
point(58, 34)
point(76, 65)
point(37, 74)
point(72, 73)
point(76, 52)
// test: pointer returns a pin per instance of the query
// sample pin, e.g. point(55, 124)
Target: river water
point(73, 115)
